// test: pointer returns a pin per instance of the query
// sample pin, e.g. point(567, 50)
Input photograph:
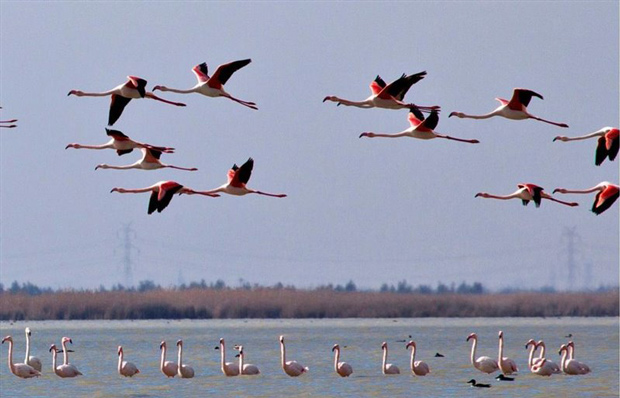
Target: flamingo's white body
point(421, 128)
point(184, 371)
point(342, 369)
point(515, 109)
point(418, 368)
point(484, 364)
point(149, 161)
point(29, 359)
point(246, 368)
point(506, 365)
point(549, 365)
point(388, 368)
point(569, 366)
point(121, 143)
point(607, 194)
point(127, 369)
point(527, 192)
point(213, 86)
point(64, 370)
point(607, 146)
point(291, 368)
point(168, 368)
point(19, 369)
point(228, 368)
point(133, 88)
point(537, 365)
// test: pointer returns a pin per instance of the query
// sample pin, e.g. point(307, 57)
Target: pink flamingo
point(584, 368)
point(19, 369)
point(607, 194)
point(133, 88)
point(213, 86)
point(568, 365)
point(342, 369)
point(484, 364)
point(291, 368)
point(127, 369)
point(228, 368)
point(150, 161)
point(506, 365)
point(162, 193)
point(121, 143)
point(387, 96)
point(526, 192)
point(418, 368)
point(388, 368)
point(420, 128)
point(550, 366)
point(168, 368)
point(515, 109)
point(607, 146)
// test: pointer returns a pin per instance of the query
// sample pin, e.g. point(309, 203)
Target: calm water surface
point(309, 342)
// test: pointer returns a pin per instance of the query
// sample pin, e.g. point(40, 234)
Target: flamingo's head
point(158, 88)
point(119, 351)
point(540, 343)
point(76, 92)
point(560, 190)
point(562, 348)
point(7, 338)
point(66, 339)
point(457, 114)
point(411, 343)
point(221, 341)
point(481, 194)
point(53, 347)
point(501, 334)
point(281, 339)
point(163, 343)
point(28, 332)
point(529, 343)
point(472, 336)
point(121, 190)
point(560, 137)
point(179, 343)
point(571, 344)
point(368, 134)
point(384, 346)
point(335, 347)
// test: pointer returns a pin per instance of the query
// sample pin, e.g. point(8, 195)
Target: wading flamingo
point(387, 96)
point(606, 196)
point(549, 365)
point(418, 368)
point(608, 143)
point(213, 86)
point(536, 365)
point(133, 88)
point(238, 177)
point(168, 368)
point(150, 161)
point(162, 193)
point(506, 365)
point(246, 368)
point(121, 143)
point(342, 369)
point(19, 369)
point(388, 368)
point(184, 371)
point(29, 359)
point(515, 109)
point(421, 128)
point(569, 366)
point(526, 192)
point(584, 368)
point(228, 368)
point(127, 369)
point(484, 364)
point(291, 368)
point(64, 370)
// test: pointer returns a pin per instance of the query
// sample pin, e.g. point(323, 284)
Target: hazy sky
point(371, 210)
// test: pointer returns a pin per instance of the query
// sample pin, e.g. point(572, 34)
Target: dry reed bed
point(285, 303)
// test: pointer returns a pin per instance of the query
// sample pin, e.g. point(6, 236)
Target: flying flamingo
point(168, 368)
point(246, 368)
point(342, 369)
point(549, 365)
point(387, 96)
point(64, 370)
point(388, 368)
point(420, 128)
point(133, 88)
point(291, 368)
point(127, 369)
point(238, 177)
point(418, 368)
point(608, 143)
point(571, 346)
point(213, 86)
point(149, 161)
point(31, 360)
point(162, 193)
point(527, 192)
point(121, 143)
point(228, 368)
point(606, 196)
point(19, 369)
point(506, 365)
point(184, 371)
point(515, 109)
point(484, 364)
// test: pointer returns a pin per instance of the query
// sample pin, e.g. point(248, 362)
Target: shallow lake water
point(309, 342)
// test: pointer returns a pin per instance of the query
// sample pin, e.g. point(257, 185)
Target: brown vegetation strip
point(285, 303)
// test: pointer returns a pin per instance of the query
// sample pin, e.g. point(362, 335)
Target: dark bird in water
point(568, 336)
point(438, 355)
point(403, 341)
point(504, 378)
point(474, 384)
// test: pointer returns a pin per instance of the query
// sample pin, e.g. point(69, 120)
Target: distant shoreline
point(269, 303)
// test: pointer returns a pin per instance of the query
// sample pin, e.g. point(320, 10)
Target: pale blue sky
point(369, 210)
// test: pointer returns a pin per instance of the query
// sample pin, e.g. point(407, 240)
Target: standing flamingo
point(388, 368)
point(238, 177)
point(527, 192)
point(606, 196)
point(121, 143)
point(531, 344)
point(64, 370)
point(246, 368)
point(387, 96)
point(420, 128)
point(549, 365)
point(418, 368)
point(168, 368)
point(228, 368)
point(506, 365)
point(162, 193)
point(291, 368)
point(584, 368)
point(31, 360)
point(608, 143)
point(484, 364)
point(133, 88)
point(184, 371)
point(149, 161)
point(342, 369)
point(213, 86)
point(127, 369)
point(19, 369)
point(568, 365)
point(515, 109)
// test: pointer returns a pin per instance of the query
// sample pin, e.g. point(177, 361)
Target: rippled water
point(309, 342)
